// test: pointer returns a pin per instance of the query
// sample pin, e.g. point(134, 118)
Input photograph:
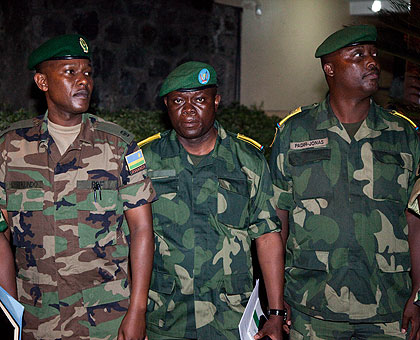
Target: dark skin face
point(68, 86)
point(192, 115)
point(352, 75)
point(353, 70)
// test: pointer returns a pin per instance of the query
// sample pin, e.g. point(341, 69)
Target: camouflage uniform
point(71, 240)
point(347, 256)
point(204, 221)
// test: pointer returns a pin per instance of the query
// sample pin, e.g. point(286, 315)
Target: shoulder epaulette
point(115, 130)
point(22, 124)
point(396, 113)
point(250, 141)
point(291, 114)
point(148, 140)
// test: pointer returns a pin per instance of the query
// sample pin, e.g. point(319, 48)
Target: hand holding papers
point(248, 326)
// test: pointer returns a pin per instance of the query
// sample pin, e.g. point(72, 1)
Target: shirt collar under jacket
point(85, 136)
point(326, 119)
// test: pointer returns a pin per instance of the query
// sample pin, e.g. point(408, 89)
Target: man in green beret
point(215, 196)
point(343, 171)
point(76, 196)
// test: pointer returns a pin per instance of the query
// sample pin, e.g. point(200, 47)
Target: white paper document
point(248, 326)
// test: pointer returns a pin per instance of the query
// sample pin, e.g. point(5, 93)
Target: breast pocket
point(391, 174)
point(167, 209)
point(310, 171)
point(233, 202)
point(27, 199)
point(97, 205)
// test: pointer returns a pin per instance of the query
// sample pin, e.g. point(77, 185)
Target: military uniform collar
point(326, 118)
point(85, 136)
point(172, 147)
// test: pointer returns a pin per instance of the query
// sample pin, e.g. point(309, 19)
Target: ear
point(328, 69)
point(41, 81)
point(217, 99)
point(165, 100)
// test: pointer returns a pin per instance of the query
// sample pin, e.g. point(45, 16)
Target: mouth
point(372, 75)
point(84, 94)
point(190, 123)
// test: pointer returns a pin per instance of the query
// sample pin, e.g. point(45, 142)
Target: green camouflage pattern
point(347, 256)
point(306, 327)
point(204, 221)
point(71, 248)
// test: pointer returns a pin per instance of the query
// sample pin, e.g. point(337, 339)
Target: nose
point(83, 79)
point(188, 108)
point(372, 62)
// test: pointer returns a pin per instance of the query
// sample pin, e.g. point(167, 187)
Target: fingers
point(259, 335)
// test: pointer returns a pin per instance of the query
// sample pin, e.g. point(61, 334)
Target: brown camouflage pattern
point(71, 247)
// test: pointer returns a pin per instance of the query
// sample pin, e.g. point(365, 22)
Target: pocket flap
point(309, 259)
point(165, 185)
point(297, 158)
point(104, 293)
point(25, 200)
point(162, 282)
point(97, 200)
point(392, 158)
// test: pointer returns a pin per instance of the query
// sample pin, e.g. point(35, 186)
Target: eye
point(69, 71)
point(200, 99)
point(177, 100)
point(358, 54)
point(88, 74)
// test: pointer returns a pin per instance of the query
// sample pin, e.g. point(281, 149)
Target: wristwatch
point(282, 312)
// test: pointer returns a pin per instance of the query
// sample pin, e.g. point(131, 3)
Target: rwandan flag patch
point(135, 162)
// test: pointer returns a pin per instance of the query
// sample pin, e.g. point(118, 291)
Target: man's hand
point(272, 328)
point(133, 326)
point(288, 322)
point(411, 315)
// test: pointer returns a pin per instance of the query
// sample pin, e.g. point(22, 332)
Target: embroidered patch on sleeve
point(135, 162)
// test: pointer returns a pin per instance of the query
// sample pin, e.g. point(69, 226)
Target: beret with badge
point(67, 46)
point(348, 36)
point(190, 76)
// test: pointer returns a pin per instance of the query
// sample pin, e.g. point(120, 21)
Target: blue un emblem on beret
point(204, 76)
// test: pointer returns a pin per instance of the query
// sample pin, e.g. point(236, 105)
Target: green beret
point(68, 46)
point(351, 35)
point(189, 76)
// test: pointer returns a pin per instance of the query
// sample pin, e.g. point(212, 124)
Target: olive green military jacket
point(347, 255)
point(204, 221)
point(67, 223)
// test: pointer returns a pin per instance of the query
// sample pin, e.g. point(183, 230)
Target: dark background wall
point(136, 43)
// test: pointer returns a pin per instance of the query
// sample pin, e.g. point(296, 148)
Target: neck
point(349, 110)
point(63, 118)
point(199, 146)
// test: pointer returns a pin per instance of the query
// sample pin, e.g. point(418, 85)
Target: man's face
point(192, 114)
point(67, 84)
point(356, 69)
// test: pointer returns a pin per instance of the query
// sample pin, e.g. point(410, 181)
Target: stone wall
point(136, 43)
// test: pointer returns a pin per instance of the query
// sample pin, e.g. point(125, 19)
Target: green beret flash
point(68, 46)
point(190, 76)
